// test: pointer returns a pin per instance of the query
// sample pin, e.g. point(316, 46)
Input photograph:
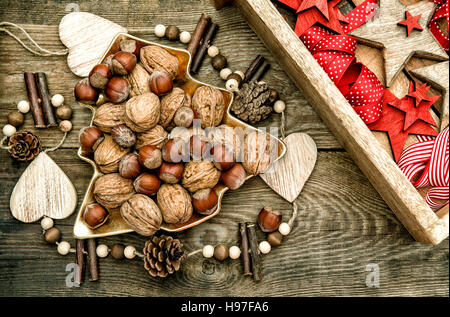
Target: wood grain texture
point(343, 223)
point(288, 176)
point(43, 190)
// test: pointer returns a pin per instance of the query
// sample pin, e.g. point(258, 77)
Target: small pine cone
point(24, 146)
point(163, 255)
point(253, 102)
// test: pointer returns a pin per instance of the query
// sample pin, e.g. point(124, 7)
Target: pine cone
point(252, 103)
point(163, 255)
point(24, 146)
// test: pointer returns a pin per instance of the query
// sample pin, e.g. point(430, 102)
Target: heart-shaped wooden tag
point(288, 176)
point(87, 36)
point(43, 190)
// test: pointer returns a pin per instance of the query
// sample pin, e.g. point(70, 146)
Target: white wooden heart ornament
point(43, 190)
point(288, 176)
point(87, 36)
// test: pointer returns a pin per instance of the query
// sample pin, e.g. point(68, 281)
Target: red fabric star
point(412, 113)
point(392, 122)
point(411, 23)
point(419, 94)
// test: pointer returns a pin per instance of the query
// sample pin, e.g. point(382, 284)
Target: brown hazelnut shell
point(117, 89)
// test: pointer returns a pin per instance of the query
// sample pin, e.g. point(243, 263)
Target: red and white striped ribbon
point(431, 158)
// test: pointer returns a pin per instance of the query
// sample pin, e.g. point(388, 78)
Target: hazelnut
point(130, 46)
point(205, 201)
point(157, 58)
point(223, 157)
point(183, 117)
point(150, 156)
point(90, 138)
point(108, 155)
point(84, 92)
point(142, 112)
point(117, 89)
point(269, 219)
point(198, 147)
point(108, 62)
point(275, 239)
point(64, 112)
point(234, 177)
point(95, 216)
point(99, 76)
point(199, 175)
point(123, 62)
point(170, 103)
point(123, 136)
point(208, 105)
point(160, 83)
point(155, 136)
point(112, 190)
point(174, 151)
point(221, 252)
point(129, 166)
point(16, 118)
point(146, 184)
point(109, 115)
point(142, 214)
point(170, 172)
point(172, 32)
point(175, 203)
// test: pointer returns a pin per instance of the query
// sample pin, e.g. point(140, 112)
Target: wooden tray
point(115, 224)
point(406, 202)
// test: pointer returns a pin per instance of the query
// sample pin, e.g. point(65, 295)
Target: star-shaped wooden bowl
point(115, 224)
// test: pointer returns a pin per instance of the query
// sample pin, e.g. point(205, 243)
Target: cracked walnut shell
point(199, 175)
point(155, 136)
point(108, 155)
point(108, 115)
point(142, 112)
point(139, 80)
point(142, 214)
point(175, 203)
point(157, 58)
point(209, 106)
point(170, 104)
point(112, 190)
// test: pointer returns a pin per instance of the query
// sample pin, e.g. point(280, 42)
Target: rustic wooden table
point(343, 227)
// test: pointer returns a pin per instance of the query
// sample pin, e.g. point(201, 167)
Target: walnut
point(232, 138)
point(139, 81)
point(142, 214)
point(260, 150)
point(112, 190)
point(175, 203)
point(142, 112)
point(155, 136)
point(109, 115)
point(186, 133)
point(208, 104)
point(108, 155)
point(199, 175)
point(157, 58)
point(170, 104)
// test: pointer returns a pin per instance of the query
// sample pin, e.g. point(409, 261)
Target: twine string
point(2, 144)
point(58, 145)
point(41, 51)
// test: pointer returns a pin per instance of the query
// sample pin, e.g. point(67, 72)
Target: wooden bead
point(63, 248)
point(275, 239)
point(213, 51)
point(221, 252)
point(224, 73)
point(234, 252)
point(9, 130)
point(279, 106)
point(219, 62)
point(117, 251)
point(64, 112)
point(102, 251)
point(240, 73)
point(273, 96)
point(52, 235)
point(16, 118)
point(172, 32)
point(23, 106)
point(264, 247)
point(232, 85)
point(236, 77)
point(65, 126)
point(57, 100)
point(47, 223)
point(160, 30)
point(130, 252)
point(208, 251)
point(284, 228)
point(185, 37)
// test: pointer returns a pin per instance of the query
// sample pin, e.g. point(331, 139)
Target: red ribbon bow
point(430, 157)
point(441, 12)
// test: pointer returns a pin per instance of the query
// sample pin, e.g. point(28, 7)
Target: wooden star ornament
point(411, 23)
point(384, 32)
point(419, 94)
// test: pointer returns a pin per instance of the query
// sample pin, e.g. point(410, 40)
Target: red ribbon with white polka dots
point(430, 157)
point(441, 12)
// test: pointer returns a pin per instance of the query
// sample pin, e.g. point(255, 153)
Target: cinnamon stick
point(207, 40)
point(256, 258)
point(80, 261)
point(259, 73)
point(93, 263)
point(254, 66)
point(49, 116)
point(33, 97)
point(197, 36)
point(244, 248)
